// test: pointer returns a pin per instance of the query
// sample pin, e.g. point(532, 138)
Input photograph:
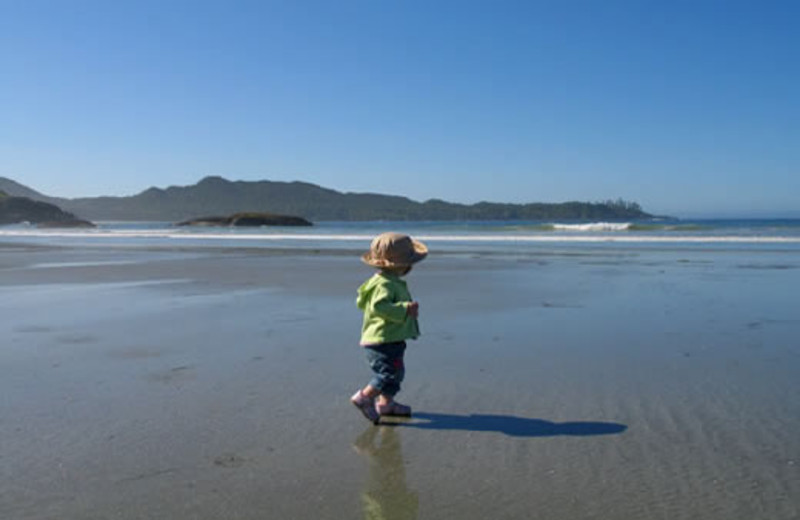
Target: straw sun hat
point(394, 250)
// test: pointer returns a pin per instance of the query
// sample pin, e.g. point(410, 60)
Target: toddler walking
point(390, 318)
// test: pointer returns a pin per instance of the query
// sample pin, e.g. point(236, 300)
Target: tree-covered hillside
point(218, 196)
point(14, 210)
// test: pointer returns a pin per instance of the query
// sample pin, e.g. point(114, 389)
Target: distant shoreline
point(219, 196)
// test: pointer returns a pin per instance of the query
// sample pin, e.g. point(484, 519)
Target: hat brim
point(417, 255)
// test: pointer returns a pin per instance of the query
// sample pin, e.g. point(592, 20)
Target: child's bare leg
point(373, 393)
point(370, 391)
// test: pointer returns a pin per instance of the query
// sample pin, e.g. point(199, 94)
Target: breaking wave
point(593, 226)
point(597, 232)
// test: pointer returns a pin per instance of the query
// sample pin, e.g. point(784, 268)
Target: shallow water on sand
point(202, 384)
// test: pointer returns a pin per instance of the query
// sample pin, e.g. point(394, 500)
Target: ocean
point(500, 236)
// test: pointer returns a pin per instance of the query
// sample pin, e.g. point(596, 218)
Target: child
point(390, 318)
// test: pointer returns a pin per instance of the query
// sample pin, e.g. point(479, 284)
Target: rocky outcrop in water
point(248, 220)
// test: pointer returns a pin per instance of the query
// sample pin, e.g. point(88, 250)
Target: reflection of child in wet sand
point(386, 496)
point(390, 318)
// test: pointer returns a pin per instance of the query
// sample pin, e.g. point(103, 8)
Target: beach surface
point(577, 383)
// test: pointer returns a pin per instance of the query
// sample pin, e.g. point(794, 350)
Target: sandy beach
point(587, 383)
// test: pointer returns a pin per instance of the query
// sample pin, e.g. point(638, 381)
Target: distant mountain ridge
point(15, 189)
point(216, 195)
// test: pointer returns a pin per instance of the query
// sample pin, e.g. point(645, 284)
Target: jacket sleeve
point(383, 306)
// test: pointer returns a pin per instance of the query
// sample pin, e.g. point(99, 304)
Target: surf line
point(136, 234)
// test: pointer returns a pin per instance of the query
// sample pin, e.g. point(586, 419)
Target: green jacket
point(384, 299)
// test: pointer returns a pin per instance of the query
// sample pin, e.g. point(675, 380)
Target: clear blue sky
point(686, 106)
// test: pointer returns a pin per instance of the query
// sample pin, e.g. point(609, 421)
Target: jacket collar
point(392, 277)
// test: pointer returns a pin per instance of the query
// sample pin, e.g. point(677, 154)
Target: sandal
point(393, 408)
point(366, 406)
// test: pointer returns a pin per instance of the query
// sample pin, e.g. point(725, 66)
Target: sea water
point(499, 236)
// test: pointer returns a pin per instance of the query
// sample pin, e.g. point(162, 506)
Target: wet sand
point(214, 384)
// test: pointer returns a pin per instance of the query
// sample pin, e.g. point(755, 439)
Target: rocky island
point(15, 210)
point(247, 219)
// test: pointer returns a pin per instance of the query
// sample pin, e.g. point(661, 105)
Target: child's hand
point(413, 309)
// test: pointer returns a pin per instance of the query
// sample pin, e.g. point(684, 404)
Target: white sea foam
point(593, 226)
point(56, 265)
point(364, 237)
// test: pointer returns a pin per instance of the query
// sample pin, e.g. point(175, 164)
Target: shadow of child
point(511, 425)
